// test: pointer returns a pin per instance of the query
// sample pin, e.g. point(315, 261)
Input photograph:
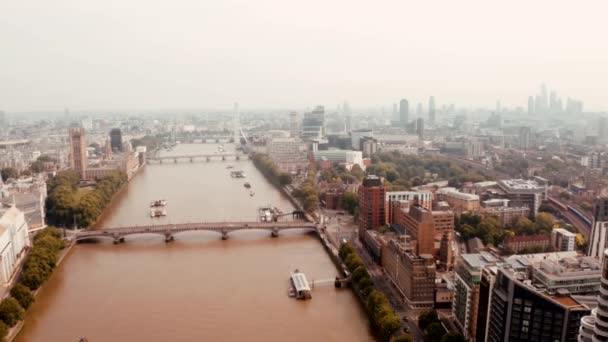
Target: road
point(341, 226)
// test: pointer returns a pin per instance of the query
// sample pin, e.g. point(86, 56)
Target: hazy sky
point(188, 54)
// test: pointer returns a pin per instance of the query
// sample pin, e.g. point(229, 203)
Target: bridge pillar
point(275, 232)
point(191, 159)
point(168, 237)
point(224, 235)
point(224, 158)
point(118, 239)
point(175, 160)
point(238, 157)
point(161, 161)
point(208, 158)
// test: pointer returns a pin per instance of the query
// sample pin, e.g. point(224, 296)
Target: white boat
point(251, 193)
point(158, 212)
point(158, 203)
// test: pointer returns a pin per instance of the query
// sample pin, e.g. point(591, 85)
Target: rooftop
point(564, 232)
point(520, 185)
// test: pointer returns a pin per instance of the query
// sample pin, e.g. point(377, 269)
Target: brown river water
point(198, 287)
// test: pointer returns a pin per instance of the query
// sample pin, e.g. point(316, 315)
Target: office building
point(78, 151)
point(285, 153)
point(340, 156)
point(371, 204)
point(522, 192)
point(578, 275)
point(404, 112)
point(432, 110)
point(522, 312)
point(486, 285)
point(294, 125)
point(14, 240)
point(599, 231)
point(420, 127)
point(467, 279)
point(594, 328)
point(116, 140)
point(459, 201)
point(524, 136)
point(530, 105)
point(563, 240)
point(357, 135)
point(423, 198)
point(419, 225)
point(313, 124)
point(413, 275)
point(507, 216)
point(369, 147)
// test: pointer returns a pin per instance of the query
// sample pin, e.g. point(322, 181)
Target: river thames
point(198, 287)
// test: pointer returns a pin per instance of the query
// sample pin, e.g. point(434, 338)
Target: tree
point(453, 337)
point(580, 240)
point(435, 331)
point(544, 223)
point(10, 311)
point(350, 201)
point(23, 295)
point(426, 318)
point(389, 325)
point(403, 338)
point(523, 226)
point(3, 331)
point(9, 172)
point(346, 249)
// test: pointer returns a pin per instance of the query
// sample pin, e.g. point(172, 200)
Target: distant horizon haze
point(282, 54)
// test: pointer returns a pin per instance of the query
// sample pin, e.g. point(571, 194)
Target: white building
point(563, 240)
point(285, 153)
point(599, 238)
point(341, 156)
point(425, 198)
point(13, 241)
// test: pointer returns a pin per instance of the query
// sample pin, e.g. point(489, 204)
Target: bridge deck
point(222, 227)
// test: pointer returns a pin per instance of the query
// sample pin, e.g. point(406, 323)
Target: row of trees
point(66, 204)
point(37, 268)
point(150, 141)
point(381, 315)
point(405, 171)
point(488, 228)
point(339, 174)
point(429, 322)
point(307, 192)
point(265, 164)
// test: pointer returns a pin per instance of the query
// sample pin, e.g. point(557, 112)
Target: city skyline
point(117, 55)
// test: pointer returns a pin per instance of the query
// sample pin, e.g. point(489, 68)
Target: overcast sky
point(190, 54)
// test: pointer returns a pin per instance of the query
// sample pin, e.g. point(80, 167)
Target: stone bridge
point(198, 157)
point(169, 230)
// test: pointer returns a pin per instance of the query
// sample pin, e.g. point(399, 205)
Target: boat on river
point(247, 185)
point(157, 212)
point(158, 203)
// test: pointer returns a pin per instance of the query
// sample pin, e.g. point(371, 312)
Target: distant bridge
point(169, 230)
point(198, 157)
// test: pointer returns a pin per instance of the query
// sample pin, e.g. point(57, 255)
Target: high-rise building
point(78, 151)
point(420, 127)
point(395, 115)
point(530, 105)
point(563, 240)
point(525, 134)
point(116, 140)
point(313, 125)
point(372, 204)
point(520, 312)
point(594, 327)
point(404, 112)
point(524, 193)
point(294, 125)
point(599, 231)
point(420, 226)
point(432, 110)
point(465, 304)
point(602, 128)
point(419, 110)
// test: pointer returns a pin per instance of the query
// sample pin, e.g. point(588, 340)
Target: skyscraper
point(116, 140)
point(395, 112)
point(404, 112)
point(594, 327)
point(419, 110)
point(432, 110)
point(544, 97)
point(420, 127)
point(530, 105)
point(598, 239)
point(294, 125)
point(78, 151)
point(313, 125)
point(602, 127)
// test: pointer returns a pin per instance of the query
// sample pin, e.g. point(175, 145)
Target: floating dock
point(300, 288)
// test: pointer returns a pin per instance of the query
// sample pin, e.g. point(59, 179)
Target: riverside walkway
point(169, 230)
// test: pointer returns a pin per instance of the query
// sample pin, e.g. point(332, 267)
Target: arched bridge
point(198, 157)
point(169, 230)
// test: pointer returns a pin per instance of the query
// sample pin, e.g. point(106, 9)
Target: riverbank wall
point(14, 331)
